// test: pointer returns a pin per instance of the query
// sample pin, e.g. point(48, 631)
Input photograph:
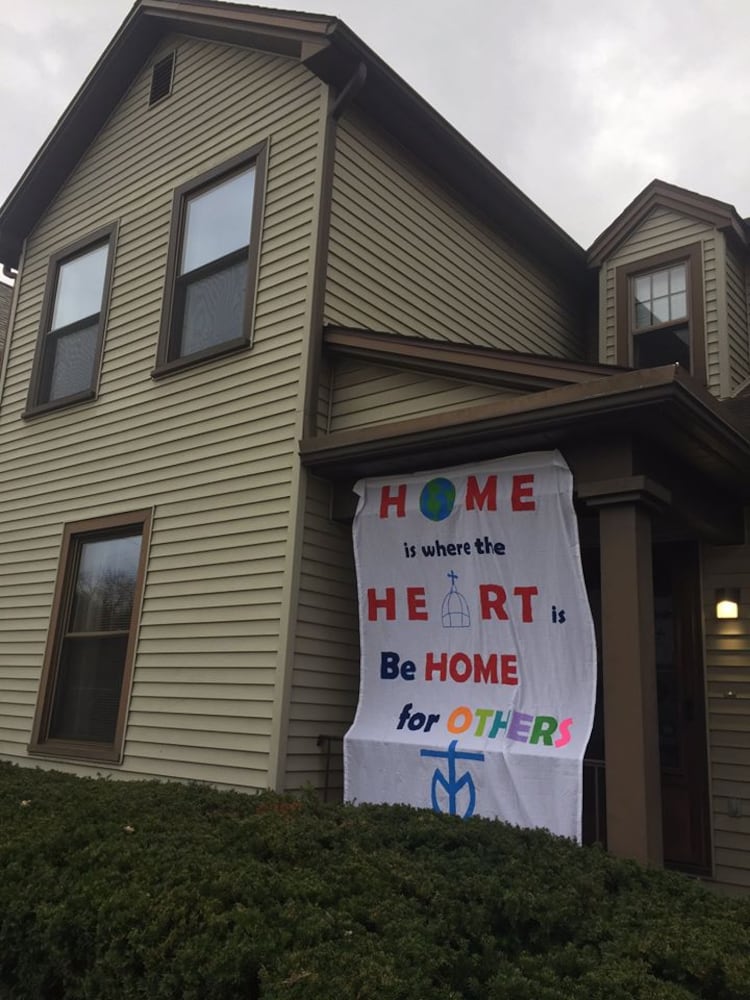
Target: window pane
point(214, 309)
point(80, 283)
point(678, 307)
point(72, 362)
point(103, 596)
point(643, 289)
point(661, 283)
point(662, 347)
point(677, 277)
point(660, 310)
point(217, 221)
point(87, 696)
point(642, 315)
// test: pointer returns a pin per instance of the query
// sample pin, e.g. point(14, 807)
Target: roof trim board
point(510, 369)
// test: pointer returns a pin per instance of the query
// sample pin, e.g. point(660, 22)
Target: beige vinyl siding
point(325, 680)
point(406, 257)
point(660, 232)
point(212, 449)
point(737, 320)
point(728, 683)
point(364, 394)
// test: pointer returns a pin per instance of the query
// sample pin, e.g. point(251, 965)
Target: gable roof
point(334, 53)
point(659, 194)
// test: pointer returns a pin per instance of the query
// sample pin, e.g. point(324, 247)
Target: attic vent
point(161, 79)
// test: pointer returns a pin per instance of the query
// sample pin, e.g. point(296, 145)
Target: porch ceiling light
point(728, 602)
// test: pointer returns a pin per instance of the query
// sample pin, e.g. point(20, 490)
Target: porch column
point(629, 678)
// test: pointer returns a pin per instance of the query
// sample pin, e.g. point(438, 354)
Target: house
point(184, 409)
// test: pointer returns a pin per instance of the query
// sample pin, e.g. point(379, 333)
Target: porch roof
point(664, 408)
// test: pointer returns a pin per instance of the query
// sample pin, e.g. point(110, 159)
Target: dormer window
point(661, 334)
point(660, 312)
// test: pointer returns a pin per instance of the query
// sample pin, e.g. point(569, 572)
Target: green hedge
point(112, 890)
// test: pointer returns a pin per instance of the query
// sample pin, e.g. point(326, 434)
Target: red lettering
point(415, 604)
point(477, 498)
point(522, 494)
point(486, 672)
point(526, 593)
point(492, 599)
point(388, 500)
point(460, 667)
point(509, 669)
point(431, 665)
point(387, 603)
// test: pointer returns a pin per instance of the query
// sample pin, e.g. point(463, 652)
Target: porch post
point(633, 781)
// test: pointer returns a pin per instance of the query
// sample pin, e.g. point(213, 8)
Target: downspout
point(312, 388)
point(282, 699)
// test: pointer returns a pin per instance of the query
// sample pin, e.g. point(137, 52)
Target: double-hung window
point(660, 317)
point(82, 699)
point(212, 262)
point(69, 347)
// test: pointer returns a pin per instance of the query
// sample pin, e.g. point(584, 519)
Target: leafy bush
point(118, 890)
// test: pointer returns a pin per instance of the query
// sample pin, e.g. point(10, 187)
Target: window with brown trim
point(83, 694)
point(660, 317)
point(71, 334)
point(212, 263)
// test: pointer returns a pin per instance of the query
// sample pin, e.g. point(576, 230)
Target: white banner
point(478, 670)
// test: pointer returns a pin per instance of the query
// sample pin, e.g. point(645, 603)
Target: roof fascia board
point(449, 360)
point(276, 21)
point(281, 33)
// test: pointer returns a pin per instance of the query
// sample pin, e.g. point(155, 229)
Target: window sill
point(165, 368)
point(94, 753)
point(39, 409)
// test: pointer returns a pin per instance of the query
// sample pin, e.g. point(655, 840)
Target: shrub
point(117, 890)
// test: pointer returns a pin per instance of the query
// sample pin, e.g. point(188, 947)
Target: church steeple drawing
point(455, 610)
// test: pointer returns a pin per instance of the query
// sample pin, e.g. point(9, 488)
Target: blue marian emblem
point(451, 784)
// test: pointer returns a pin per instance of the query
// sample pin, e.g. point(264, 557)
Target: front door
point(681, 703)
point(682, 716)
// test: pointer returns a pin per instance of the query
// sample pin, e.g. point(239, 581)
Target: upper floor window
point(212, 262)
point(69, 347)
point(82, 698)
point(660, 312)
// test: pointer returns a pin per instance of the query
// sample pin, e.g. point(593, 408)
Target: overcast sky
point(580, 102)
